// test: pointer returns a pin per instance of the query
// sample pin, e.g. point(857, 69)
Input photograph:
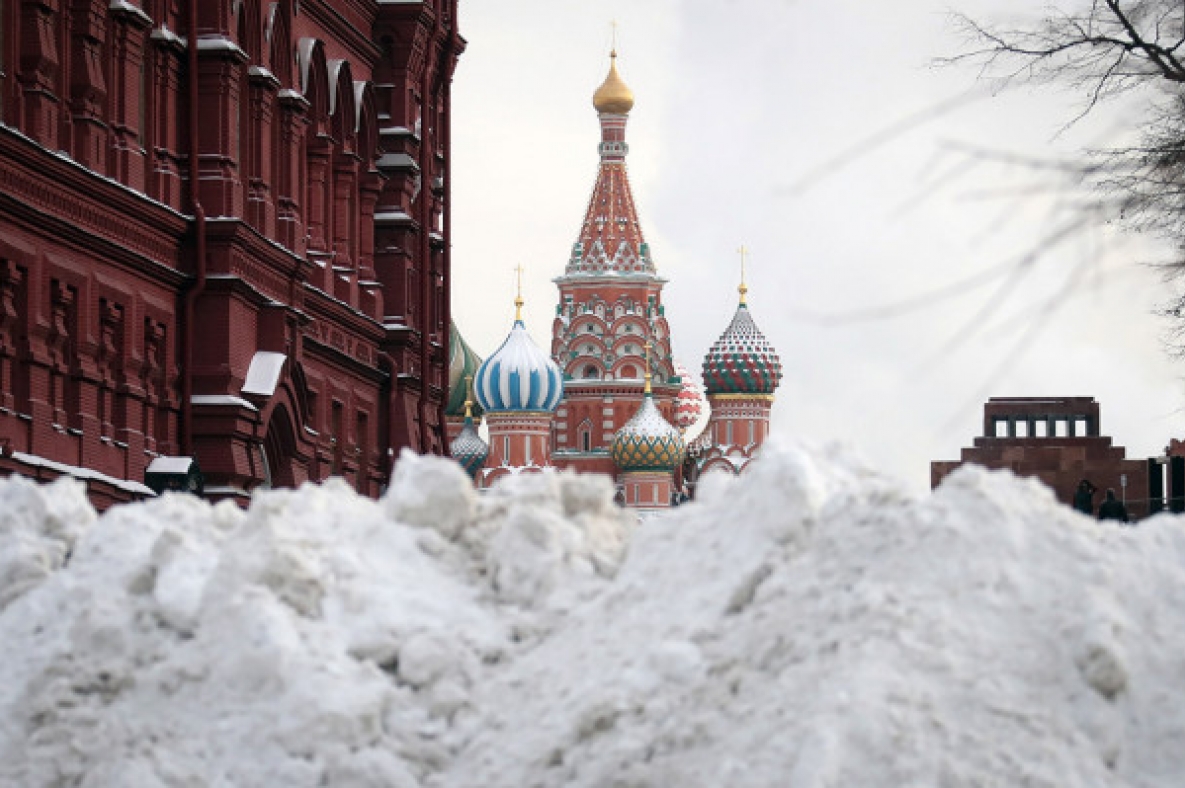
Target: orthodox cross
point(518, 299)
point(743, 289)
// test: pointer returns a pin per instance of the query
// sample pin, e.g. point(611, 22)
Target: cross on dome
point(743, 289)
point(518, 298)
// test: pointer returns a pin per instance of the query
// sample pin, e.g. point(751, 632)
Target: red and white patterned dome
point(742, 361)
point(690, 403)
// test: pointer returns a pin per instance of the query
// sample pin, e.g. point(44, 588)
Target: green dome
point(462, 363)
point(648, 442)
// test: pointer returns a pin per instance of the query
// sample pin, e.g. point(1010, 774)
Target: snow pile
point(808, 625)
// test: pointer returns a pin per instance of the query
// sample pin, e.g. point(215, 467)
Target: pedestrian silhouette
point(1084, 497)
point(1112, 509)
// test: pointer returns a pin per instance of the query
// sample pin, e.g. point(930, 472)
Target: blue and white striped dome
point(518, 376)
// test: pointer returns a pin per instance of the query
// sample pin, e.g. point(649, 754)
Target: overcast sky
point(780, 125)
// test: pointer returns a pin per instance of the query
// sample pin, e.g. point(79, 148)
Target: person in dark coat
point(1112, 509)
point(1084, 497)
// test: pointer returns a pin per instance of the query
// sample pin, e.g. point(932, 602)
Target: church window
point(505, 449)
point(728, 433)
point(591, 373)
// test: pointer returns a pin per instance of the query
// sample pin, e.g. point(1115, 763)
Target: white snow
point(83, 474)
point(807, 624)
point(264, 373)
point(165, 464)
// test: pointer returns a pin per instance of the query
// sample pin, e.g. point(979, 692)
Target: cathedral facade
point(224, 235)
point(625, 406)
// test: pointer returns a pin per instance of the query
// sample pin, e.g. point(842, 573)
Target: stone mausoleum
point(1058, 440)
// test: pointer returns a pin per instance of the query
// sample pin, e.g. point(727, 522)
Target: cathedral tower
point(741, 373)
point(610, 307)
point(648, 450)
point(518, 387)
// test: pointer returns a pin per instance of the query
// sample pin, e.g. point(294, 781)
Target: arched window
point(584, 435)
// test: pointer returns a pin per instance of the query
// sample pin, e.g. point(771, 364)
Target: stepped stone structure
point(1057, 440)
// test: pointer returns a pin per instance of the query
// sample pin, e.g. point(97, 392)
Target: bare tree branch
point(1102, 49)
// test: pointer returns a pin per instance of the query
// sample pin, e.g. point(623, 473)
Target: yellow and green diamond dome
point(648, 442)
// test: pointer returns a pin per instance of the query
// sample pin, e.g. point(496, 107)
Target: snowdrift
point(807, 625)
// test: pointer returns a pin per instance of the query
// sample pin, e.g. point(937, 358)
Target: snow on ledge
point(82, 474)
point(264, 373)
point(164, 464)
point(222, 400)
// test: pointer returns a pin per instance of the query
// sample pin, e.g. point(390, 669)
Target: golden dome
point(613, 96)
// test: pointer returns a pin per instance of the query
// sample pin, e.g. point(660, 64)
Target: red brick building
point(610, 306)
point(223, 234)
point(1057, 440)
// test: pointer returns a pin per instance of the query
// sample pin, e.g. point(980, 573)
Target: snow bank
point(808, 625)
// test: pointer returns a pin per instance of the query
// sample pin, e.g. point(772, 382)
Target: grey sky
point(739, 102)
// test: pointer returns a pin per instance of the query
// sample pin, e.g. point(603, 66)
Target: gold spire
point(468, 396)
point(613, 96)
point(743, 288)
point(646, 389)
point(518, 299)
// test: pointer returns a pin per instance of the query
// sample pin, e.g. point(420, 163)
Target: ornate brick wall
point(223, 232)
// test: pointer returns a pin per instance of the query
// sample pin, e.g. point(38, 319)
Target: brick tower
point(518, 387)
point(741, 372)
point(610, 306)
point(648, 450)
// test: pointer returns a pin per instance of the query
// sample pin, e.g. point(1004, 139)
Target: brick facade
point(223, 233)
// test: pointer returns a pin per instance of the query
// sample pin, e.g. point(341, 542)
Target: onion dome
point(519, 376)
point(648, 442)
point(462, 364)
point(690, 403)
point(468, 448)
point(742, 361)
point(613, 96)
